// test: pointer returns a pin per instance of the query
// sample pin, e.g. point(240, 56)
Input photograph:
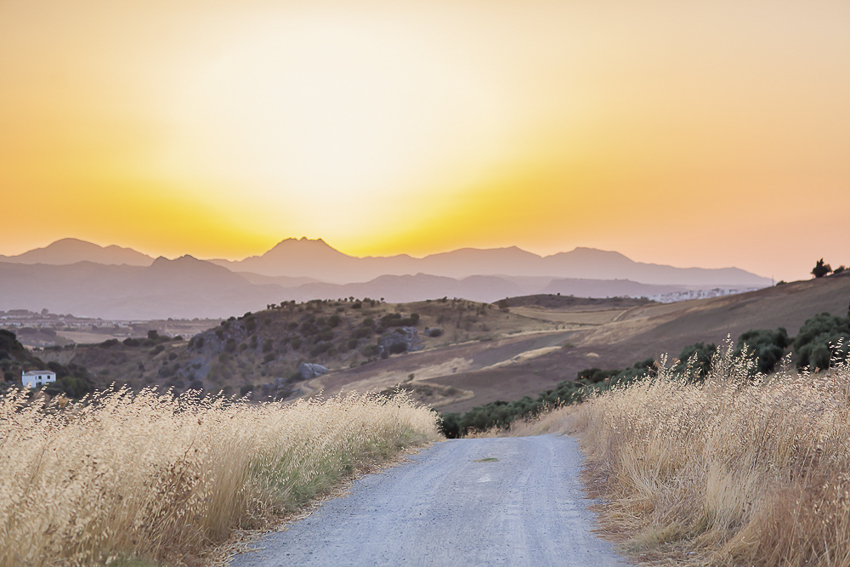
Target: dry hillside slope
point(652, 330)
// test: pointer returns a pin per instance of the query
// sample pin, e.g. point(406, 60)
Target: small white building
point(37, 378)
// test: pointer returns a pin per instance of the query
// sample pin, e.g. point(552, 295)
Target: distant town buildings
point(37, 378)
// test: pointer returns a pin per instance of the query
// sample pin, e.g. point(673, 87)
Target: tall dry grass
point(727, 472)
point(148, 476)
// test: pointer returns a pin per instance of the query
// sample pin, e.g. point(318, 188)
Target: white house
point(37, 378)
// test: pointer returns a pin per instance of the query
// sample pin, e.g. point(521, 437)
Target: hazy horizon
point(686, 134)
point(330, 245)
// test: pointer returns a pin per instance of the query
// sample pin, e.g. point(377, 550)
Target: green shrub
point(320, 349)
point(765, 345)
point(821, 339)
point(398, 348)
point(361, 333)
point(702, 355)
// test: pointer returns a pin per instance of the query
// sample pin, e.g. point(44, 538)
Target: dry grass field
point(124, 478)
point(731, 471)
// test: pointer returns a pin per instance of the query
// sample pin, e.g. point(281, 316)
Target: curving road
point(507, 501)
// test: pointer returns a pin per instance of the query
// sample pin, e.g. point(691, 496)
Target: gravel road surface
point(508, 501)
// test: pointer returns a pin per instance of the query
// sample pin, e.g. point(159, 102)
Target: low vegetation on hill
point(260, 355)
point(131, 478)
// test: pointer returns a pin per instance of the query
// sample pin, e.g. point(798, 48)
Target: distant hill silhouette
point(181, 288)
point(73, 276)
point(316, 259)
point(73, 250)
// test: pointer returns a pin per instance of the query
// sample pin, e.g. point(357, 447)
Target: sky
point(688, 133)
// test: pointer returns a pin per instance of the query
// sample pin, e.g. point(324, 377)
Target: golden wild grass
point(126, 476)
point(727, 472)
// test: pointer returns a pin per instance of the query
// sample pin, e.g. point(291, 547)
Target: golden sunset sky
point(712, 133)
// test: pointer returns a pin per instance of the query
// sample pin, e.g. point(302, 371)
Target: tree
point(817, 342)
point(700, 366)
point(821, 269)
point(765, 345)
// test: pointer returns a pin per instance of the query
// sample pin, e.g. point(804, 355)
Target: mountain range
point(74, 276)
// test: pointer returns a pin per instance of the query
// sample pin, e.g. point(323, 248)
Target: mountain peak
point(301, 247)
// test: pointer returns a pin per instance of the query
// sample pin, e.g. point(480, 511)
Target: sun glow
point(332, 118)
point(218, 129)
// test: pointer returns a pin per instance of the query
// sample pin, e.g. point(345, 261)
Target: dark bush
point(704, 353)
point(765, 345)
point(396, 320)
point(326, 335)
point(821, 269)
point(320, 349)
point(361, 333)
point(818, 341)
point(167, 371)
point(398, 348)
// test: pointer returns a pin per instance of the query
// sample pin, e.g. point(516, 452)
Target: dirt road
point(509, 501)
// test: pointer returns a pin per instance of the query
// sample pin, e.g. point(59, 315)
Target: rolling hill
point(482, 352)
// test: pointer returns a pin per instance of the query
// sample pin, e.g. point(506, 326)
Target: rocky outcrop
point(309, 371)
point(402, 339)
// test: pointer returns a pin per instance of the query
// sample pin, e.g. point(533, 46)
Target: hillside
point(453, 354)
point(260, 354)
point(650, 331)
